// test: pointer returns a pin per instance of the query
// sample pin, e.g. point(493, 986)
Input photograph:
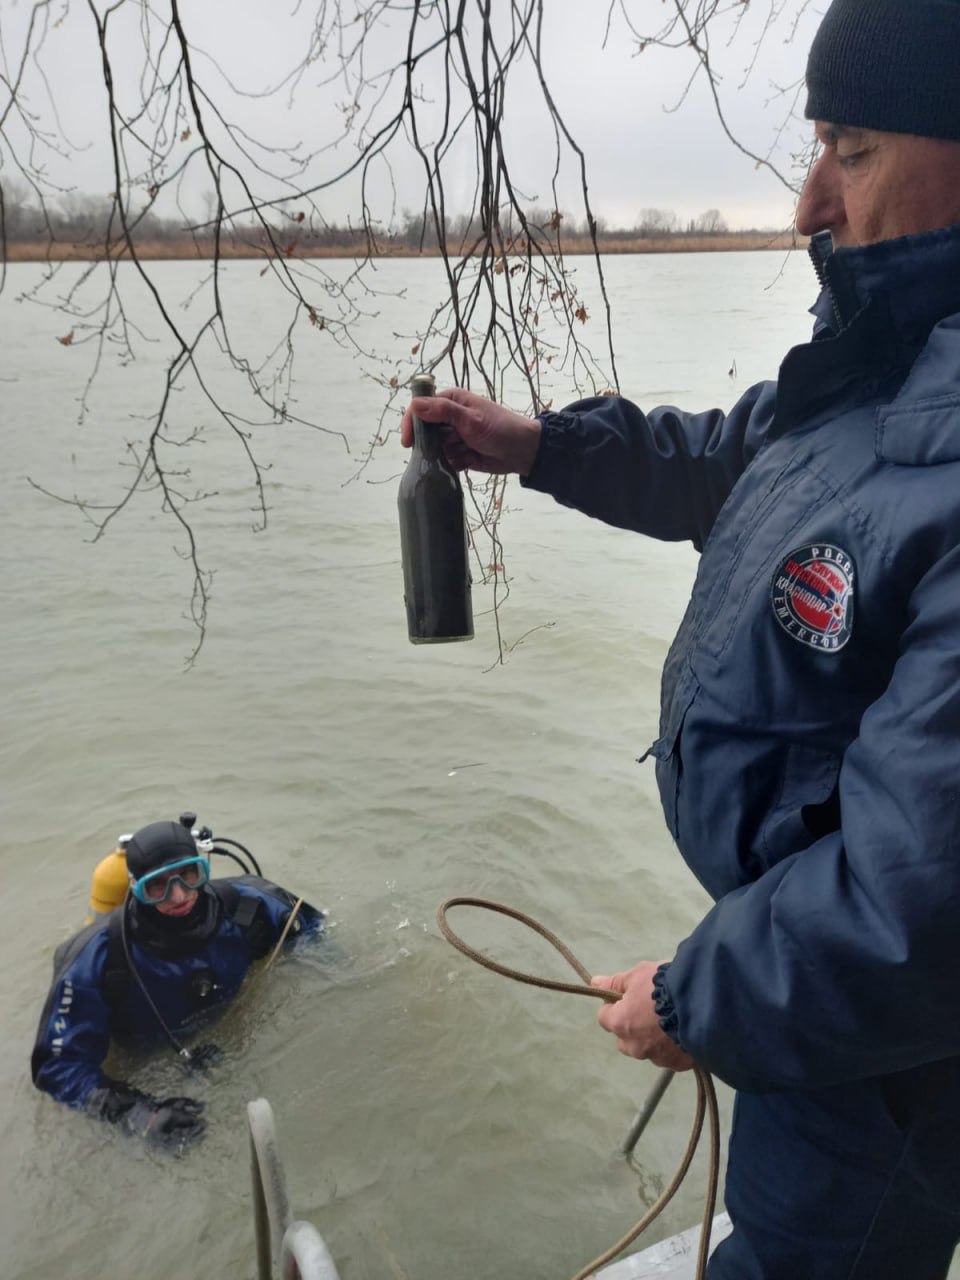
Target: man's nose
point(178, 893)
point(821, 202)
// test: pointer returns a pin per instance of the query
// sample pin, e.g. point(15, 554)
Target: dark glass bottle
point(433, 538)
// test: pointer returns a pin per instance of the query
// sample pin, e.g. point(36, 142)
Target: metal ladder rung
point(301, 1253)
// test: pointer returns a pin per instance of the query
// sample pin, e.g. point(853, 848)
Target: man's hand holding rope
point(633, 1019)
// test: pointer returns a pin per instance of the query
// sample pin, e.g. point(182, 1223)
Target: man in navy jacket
point(164, 964)
point(808, 758)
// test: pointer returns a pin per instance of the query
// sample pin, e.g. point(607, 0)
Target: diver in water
point(168, 960)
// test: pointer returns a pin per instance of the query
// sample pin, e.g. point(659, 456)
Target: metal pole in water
point(646, 1111)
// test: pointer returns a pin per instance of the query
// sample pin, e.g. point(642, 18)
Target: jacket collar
point(916, 280)
point(876, 315)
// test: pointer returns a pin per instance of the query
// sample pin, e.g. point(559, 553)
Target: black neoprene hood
point(156, 845)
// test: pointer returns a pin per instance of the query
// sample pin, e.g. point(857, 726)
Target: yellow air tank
point(108, 888)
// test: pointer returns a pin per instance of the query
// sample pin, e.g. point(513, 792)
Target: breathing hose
point(706, 1095)
point(243, 849)
point(180, 1049)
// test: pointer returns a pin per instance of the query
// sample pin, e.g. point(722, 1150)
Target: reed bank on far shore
point(186, 247)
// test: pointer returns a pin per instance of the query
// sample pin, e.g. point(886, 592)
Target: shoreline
point(186, 249)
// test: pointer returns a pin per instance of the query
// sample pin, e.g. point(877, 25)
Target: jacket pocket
point(666, 751)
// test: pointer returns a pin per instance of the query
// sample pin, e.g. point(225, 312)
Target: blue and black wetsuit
point(191, 968)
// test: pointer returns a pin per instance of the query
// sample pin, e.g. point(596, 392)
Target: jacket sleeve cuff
point(560, 436)
point(663, 1005)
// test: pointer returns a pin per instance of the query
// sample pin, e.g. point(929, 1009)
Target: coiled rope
point(706, 1095)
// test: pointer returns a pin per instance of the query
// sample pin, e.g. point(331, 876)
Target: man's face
point(868, 186)
point(180, 900)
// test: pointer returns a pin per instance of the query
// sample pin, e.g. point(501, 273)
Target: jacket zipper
point(820, 267)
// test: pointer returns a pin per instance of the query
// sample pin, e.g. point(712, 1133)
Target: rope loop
point(574, 988)
point(706, 1094)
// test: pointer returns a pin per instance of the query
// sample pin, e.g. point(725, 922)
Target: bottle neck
point(426, 438)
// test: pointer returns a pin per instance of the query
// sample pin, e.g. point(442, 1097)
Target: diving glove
point(166, 1124)
point(204, 1056)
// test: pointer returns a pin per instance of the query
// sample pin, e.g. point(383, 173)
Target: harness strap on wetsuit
point(247, 914)
point(245, 911)
point(116, 972)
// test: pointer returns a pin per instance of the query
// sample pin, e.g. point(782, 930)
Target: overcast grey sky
point(614, 100)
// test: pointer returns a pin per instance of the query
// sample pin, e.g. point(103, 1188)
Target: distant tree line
point(650, 224)
point(77, 219)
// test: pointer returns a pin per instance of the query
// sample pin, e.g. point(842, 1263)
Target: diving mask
point(155, 887)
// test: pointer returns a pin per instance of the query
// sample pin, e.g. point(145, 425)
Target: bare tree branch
point(431, 83)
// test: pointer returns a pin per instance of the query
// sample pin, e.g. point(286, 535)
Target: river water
point(435, 1120)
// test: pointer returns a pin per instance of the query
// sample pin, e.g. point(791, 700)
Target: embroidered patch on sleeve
point(812, 595)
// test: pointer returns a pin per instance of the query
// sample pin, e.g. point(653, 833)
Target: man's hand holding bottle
point(479, 434)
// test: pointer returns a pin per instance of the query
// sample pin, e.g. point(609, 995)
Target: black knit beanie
point(892, 65)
